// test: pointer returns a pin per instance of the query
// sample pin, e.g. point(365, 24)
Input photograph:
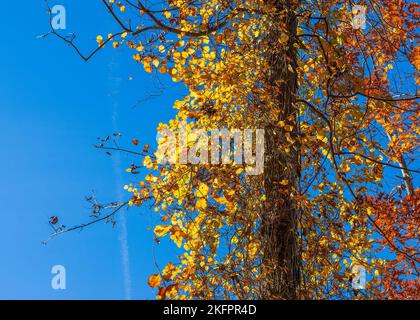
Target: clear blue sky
point(53, 107)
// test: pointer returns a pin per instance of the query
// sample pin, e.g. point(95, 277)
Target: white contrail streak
point(123, 236)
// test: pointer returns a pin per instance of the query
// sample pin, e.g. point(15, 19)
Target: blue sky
point(53, 106)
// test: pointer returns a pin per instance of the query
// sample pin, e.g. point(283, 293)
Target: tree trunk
point(279, 218)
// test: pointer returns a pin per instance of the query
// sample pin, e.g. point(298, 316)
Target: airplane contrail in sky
point(122, 221)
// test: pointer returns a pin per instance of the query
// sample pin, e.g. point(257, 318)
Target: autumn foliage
point(350, 134)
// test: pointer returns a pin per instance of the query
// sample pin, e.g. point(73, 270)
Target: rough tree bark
point(279, 217)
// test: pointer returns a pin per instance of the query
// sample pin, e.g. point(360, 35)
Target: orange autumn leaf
point(154, 280)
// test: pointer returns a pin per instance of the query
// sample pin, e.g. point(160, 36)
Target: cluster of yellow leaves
point(212, 213)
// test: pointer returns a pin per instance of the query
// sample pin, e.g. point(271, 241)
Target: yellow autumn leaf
point(253, 249)
point(161, 231)
point(147, 162)
point(284, 182)
point(202, 190)
point(323, 138)
point(137, 57)
point(185, 54)
point(221, 200)
point(201, 204)
point(177, 239)
point(168, 271)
